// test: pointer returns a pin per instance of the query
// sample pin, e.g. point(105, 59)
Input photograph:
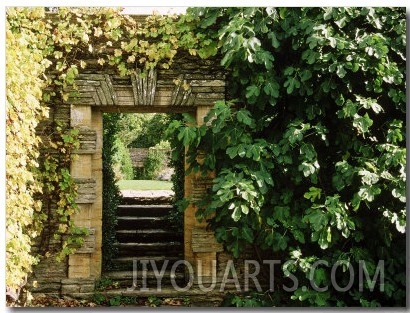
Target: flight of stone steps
point(145, 233)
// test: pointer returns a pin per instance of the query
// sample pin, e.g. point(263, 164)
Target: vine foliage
point(312, 147)
point(310, 153)
point(45, 53)
point(25, 64)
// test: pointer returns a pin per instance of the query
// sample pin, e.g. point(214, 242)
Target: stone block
point(80, 115)
point(88, 140)
point(76, 260)
point(89, 243)
point(86, 190)
point(204, 241)
point(81, 166)
point(78, 285)
point(87, 288)
point(65, 289)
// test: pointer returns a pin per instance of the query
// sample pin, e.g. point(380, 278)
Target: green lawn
point(144, 185)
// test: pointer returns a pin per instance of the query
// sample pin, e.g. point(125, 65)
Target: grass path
point(144, 185)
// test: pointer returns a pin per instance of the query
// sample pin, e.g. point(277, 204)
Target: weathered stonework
point(86, 190)
point(88, 140)
point(139, 155)
point(89, 243)
point(204, 241)
point(72, 286)
point(189, 82)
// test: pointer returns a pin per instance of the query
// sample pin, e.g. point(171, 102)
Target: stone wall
point(49, 273)
point(139, 155)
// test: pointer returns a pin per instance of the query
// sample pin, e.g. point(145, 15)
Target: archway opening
point(142, 185)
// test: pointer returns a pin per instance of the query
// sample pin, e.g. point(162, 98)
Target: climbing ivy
point(45, 53)
point(310, 153)
point(25, 64)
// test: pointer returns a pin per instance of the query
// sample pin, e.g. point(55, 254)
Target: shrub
point(122, 161)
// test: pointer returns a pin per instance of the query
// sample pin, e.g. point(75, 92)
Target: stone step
point(196, 296)
point(148, 235)
point(143, 222)
point(138, 249)
point(158, 259)
point(127, 278)
point(127, 263)
point(144, 210)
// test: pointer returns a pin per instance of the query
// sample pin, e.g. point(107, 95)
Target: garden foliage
point(45, 53)
point(25, 64)
point(309, 153)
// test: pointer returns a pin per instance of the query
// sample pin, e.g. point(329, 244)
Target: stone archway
point(190, 86)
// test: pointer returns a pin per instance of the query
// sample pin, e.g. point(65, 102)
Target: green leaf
point(247, 234)
point(281, 213)
point(271, 88)
point(280, 242)
point(291, 83)
point(289, 71)
point(362, 123)
point(313, 193)
point(328, 13)
point(317, 218)
point(236, 215)
point(341, 72)
point(252, 91)
point(241, 150)
point(299, 236)
point(305, 75)
point(232, 151)
point(187, 135)
point(319, 276)
point(274, 41)
point(244, 116)
point(244, 208)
